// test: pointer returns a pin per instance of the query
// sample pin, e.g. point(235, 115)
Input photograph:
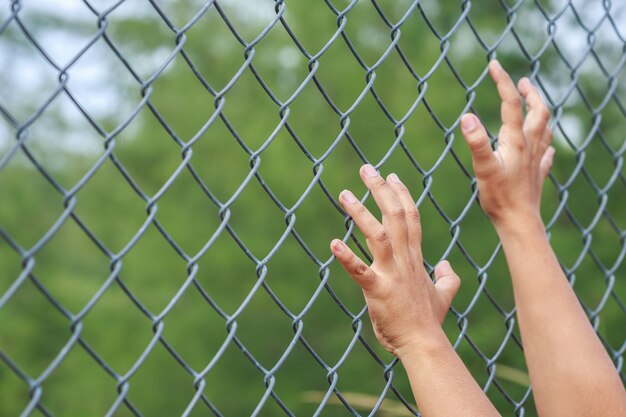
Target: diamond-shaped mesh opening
point(170, 174)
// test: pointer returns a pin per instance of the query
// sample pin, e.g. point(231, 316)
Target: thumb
point(483, 158)
point(447, 284)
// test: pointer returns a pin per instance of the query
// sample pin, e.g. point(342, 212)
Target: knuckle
point(546, 138)
point(482, 144)
point(547, 133)
point(398, 212)
point(381, 236)
point(513, 100)
point(477, 140)
point(544, 115)
point(514, 137)
point(360, 210)
point(360, 269)
point(537, 126)
point(471, 138)
point(413, 214)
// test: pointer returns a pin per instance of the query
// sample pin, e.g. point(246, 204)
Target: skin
point(405, 307)
point(570, 371)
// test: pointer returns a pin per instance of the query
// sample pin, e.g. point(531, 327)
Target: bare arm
point(571, 373)
point(406, 308)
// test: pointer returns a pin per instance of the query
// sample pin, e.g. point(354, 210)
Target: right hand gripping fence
point(169, 175)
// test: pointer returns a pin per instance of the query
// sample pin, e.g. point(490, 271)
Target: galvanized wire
point(202, 398)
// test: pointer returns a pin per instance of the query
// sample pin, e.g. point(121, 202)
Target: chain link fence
point(169, 181)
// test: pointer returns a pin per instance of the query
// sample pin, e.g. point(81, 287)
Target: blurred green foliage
point(72, 268)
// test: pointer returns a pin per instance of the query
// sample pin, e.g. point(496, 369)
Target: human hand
point(404, 305)
point(511, 178)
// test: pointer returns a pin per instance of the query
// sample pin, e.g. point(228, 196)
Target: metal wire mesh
point(169, 181)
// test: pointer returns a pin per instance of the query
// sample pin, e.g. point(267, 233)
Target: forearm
point(569, 369)
point(441, 383)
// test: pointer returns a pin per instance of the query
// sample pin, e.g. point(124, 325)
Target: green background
point(587, 230)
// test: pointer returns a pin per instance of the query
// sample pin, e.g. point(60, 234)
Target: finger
point(354, 266)
point(394, 216)
point(414, 228)
point(537, 116)
point(511, 108)
point(546, 162)
point(546, 140)
point(377, 240)
point(483, 158)
point(447, 284)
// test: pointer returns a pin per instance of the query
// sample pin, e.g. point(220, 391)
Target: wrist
point(428, 344)
point(519, 224)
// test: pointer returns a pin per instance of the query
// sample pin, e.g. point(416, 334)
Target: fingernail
point(524, 84)
point(369, 171)
point(348, 197)
point(496, 65)
point(338, 246)
point(394, 178)
point(445, 268)
point(468, 122)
